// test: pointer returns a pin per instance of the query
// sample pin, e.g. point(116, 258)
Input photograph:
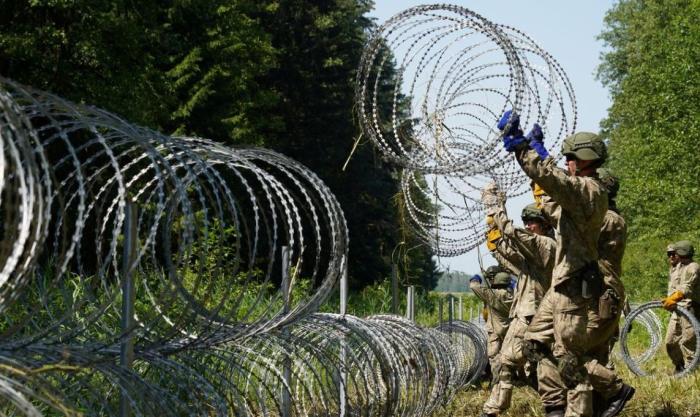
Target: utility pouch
point(591, 281)
point(608, 305)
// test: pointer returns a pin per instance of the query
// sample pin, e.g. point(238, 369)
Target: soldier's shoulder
point(594, 184)
point(614, 218)
point(546, 241)
point(693, 267)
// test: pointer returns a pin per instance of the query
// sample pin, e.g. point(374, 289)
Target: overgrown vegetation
point(650, 67)
point(657, 396)
point(277, 74)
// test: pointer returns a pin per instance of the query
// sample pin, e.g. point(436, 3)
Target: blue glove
point(513, 143)
point(476, 278)
point(534, 138)
point(514, 123)
point(513, 284)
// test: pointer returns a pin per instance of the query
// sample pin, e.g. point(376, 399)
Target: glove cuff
point(538, 147)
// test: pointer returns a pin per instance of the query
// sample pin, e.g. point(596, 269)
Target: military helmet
point(492, 271)
point(532, 212)
point(610, 181)
point(684, 248)
point(501, 278)
point(585, 146)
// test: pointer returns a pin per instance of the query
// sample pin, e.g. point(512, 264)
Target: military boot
point(554, 412)
point(617, 403)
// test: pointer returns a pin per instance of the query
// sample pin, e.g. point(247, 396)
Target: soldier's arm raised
point(568, 191)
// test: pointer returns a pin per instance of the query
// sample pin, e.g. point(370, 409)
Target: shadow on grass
point(666, 410)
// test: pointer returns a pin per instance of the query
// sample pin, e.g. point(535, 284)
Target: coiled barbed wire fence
point(151, 275)
point(651, 323)
point(451, 74)
point(644, 317)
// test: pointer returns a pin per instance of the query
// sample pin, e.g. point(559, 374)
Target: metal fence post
point(450, 310)
point(286, 297)
point(126, 357)
point(411, 303)
point(459, 314)
point(343, 348)
point(440, 311)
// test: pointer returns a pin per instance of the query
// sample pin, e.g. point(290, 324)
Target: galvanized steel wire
point(216, 331)
point(643, 316)
point(451, 74)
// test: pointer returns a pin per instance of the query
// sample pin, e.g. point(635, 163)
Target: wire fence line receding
point(213, 327)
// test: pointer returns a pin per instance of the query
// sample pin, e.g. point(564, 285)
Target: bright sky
point(567, 30)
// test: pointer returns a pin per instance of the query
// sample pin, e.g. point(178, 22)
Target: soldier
point(576, 307)
point(611, 249)
point(611, 246)
point(536, 251)
point(684, 291)
point(506, 256)
point(498, 299)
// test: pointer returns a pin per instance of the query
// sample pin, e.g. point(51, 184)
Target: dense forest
point(276, 74)
point(651, 67)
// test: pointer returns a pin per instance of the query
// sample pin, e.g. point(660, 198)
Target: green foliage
point(377, 299)
point(650, 68)
point(319, 47)
point(265, 73)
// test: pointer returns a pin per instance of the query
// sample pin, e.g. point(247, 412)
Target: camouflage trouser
point(578, 336)
point(493, 350)
point(511, 358)
point(680, 340)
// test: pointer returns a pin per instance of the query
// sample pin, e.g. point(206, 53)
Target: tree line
point(276, 74)
point(650, 67)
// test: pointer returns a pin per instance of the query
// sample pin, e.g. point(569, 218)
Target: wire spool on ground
point(634, 362)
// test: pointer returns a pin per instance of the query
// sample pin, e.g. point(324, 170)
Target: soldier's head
point(501, 280)
point(585, 152)
point(534, 219)
point(684, 250)
point(491, 272)
point(672, 255)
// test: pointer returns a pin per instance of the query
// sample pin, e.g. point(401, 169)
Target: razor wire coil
point(215, 329)
point(451, 74)
point(634, 362)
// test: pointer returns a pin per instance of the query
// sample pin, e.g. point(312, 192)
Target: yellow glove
point(485, 313)
point(538, 193)
point(492, 237)
point(489, 221)
point(671, 301)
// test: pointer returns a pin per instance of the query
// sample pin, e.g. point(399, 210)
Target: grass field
point(660, 395)
point(657, 396)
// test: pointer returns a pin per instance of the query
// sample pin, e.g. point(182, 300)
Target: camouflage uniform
point(572, 303)
point(536, 254)
point(680, 335)
point(611, 248)
point(498, 301)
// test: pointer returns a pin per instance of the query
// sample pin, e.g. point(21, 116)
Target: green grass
point(660, 395)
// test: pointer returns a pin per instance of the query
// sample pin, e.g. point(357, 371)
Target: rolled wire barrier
point(450, 74)
point(643, 316)
point(216, 329)
point(222, 324)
